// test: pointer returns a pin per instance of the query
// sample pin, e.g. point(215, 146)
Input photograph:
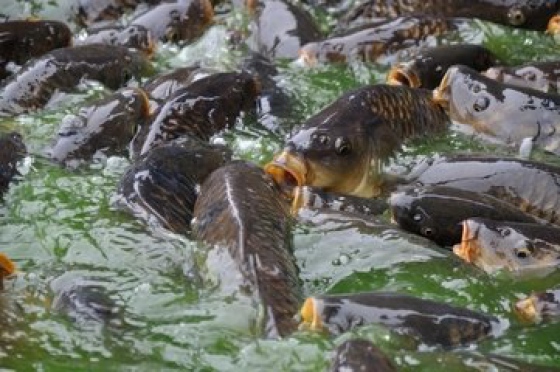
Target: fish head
point(538, 307)
point(532, 15)
point(553, 26)
point(469, 97)
point(331, 153)
point(188, 21)
point(493, 246)
point(139, 37)
point(428, 214)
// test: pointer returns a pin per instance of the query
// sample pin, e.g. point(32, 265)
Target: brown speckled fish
point(243, 218)
point(341, 148)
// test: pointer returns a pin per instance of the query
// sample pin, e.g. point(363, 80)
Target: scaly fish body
point(241, 215)
point(341, 148)
point(134, 36)
point(360, 355)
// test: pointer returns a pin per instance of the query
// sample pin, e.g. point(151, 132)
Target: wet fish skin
point(201, 109)
point(93, 11)
point(506, 111)
point(518, 13)
point(371, 43)
point(427, 68)
point(107, 125)
point(539, 306)
point(180, 22)
point(521, 248)
point(280, 28)
point(12, 149)
point(241, 213)
point(161, 187)
point(335, 148)
point(436, 212)
point(431, 322)
point(509, 179)
point(133, 36)
point(63, 69)
point(356, 355)
point(21, 41)
point(542, 76)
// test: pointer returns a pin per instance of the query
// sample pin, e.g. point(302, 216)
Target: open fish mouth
point(401, 74)
point(287, 169)
point(526, 310)
point(469, 248)
point(442, 95)
point(310, 317)
point(553, 26)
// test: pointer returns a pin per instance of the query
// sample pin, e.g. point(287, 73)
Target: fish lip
point(468, 249)
point(310, 317)
point(401, 74)
point(441, 95)
point(7, 266)
point(307, 58)
point(553, 26)
point(526, 309)
point(287, 169)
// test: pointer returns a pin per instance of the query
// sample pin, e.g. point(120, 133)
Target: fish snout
point(402, 74)
point(287, 169)
point(442, 94)
point(526, 310)
point(469, 248)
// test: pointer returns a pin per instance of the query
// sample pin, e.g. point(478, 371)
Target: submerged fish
point(427, 68)
point(517, 247)
point(161, 187)
point(531, 186)
point(436, 212)
point(543, 76)
point(373, 42)
point(431, 322)
point(341, 148)
point(279, 28)
point(178, 22)
point(243, 217)
point(21, 41)
point(539, 306)
point(201, 109)
point(357, 355)
point(12, 149)
point(63, 69)
point(532, 15)
point(107, 126)
point(506, 111)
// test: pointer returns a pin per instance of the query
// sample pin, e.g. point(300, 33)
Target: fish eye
point(427, 231)
point(481, 104)
point(323, 139)
point(126, 74)
point(516, 17)
point(522, 252)
point(504, 232)
point(342, 146)
point(417, 217)
point(172, 35)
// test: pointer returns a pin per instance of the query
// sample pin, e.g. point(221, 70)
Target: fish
point(278, 28)
point(90, 12)
point(542, 76)
point(539, 307)
point(180, 22)
point(22, 40)
point(242, 217)
point(341, 148)
point(134, 36)
point(61, 70)
point(106, 127)
point(553, 25)
point(12, 150)
point(201, 109)
point(508, 179)
point(427, 68)
point(370, 43)
point(436, 212)
point(161, 187)
point(7, 268)
point(357, 355)
point(532, 15)
point(162, 86)
point(505, 111)
point(520, 248)
point(430, 322)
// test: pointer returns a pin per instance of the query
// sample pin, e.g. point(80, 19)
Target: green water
point(58, 226)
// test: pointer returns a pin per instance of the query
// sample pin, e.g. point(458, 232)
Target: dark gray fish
point(431, 322)
point(241, 214)
point(134, 36)
point(12, 150)
point(359, 355)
